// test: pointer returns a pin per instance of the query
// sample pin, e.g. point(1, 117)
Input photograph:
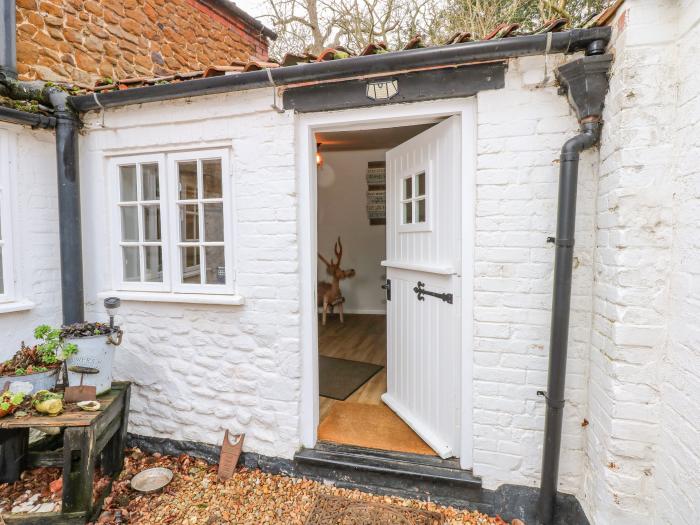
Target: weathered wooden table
point(89, 439)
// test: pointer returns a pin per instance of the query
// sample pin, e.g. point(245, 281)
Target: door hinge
point(387, 286)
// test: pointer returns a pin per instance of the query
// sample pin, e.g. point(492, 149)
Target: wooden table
point(89, 439)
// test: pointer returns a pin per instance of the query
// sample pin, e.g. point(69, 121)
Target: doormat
point(339, 378)
point(370, 426)
point(334, 510)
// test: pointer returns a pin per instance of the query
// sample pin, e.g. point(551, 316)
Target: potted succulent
point(38, 365)
point(95, 343)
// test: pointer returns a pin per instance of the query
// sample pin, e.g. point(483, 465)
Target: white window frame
point(8, 248)
point(415, 226)
point(170, 227)
point(175, 259)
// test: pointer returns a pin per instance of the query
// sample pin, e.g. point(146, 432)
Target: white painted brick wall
point(200, 369)
point(521, 130)
point(643, 448)
point(35, 247)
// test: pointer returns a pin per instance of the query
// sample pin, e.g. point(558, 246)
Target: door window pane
point(214, 222)
point(190, 265)
point(127, 183)
point(132, 264)
point(420, 184)
point(130, 223)
point(408, 212)
point(149, 182)
point(211, 174)
point(216, 270)
point(151, 223)
point(421, 211)
point(189, 222)
point(407, 188)
point(153, 256)
point(188, 179)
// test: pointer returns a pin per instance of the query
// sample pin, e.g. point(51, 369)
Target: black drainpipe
point(66, 124)
point(586, 83)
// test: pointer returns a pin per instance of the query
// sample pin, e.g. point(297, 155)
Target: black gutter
point(236, 11)
point(8, 43)
point(456, 54)
point(586, 83)
point(35, 120)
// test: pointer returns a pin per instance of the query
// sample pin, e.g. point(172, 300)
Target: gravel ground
point(250, 497)
point(195, 497)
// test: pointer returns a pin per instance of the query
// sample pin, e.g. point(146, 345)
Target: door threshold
point(401, 474)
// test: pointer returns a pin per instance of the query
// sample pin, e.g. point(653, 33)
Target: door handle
point(387, 286)
point(421, 292)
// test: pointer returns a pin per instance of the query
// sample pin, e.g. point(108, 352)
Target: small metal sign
point(382, 89)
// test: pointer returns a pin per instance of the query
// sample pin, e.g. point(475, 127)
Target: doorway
point(389, 370)
point(437, 403)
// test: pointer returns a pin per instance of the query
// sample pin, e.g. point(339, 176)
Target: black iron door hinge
point(421, 292)
point(387, 286)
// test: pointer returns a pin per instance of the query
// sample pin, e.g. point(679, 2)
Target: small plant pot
point(39, 381)
point(93, 352)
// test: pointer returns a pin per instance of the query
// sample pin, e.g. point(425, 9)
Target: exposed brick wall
point(86, 40)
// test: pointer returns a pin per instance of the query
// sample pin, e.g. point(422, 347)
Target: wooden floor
point(360, 338)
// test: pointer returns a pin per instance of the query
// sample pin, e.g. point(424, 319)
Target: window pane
point(151, 223)
point(189, 222)
point(408, 212)
point(214, 222)
point(421, 210)
point(130, 223)
point(149, 182)
point(154, 264)
point(407, 188)
point(211, 174)
point(2, 281)
point(188, 179)
point(216, 269)
point(420, 183)
point(190, 264)
point(132, 268)
point(127, 183)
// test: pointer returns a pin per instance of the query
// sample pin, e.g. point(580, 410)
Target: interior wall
point(342, 211)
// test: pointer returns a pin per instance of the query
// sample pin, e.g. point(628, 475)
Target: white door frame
point(373, 118)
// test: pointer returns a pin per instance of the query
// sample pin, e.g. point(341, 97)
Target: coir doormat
point(334, 510)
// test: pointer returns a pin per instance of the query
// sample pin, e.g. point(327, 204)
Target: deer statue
point(329, 294)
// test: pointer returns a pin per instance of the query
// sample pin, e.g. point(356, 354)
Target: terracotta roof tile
point(506, 30)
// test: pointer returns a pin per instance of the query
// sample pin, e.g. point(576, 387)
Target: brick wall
point(86, 40)
point(200, 369)
point(643, 458)
point(521, 130)
point(31, 163)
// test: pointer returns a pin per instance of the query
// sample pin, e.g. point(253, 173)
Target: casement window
point(172, 222)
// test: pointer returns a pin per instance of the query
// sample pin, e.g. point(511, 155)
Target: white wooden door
point(423, 253)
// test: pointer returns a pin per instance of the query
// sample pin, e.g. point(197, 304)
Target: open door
point(423, 215)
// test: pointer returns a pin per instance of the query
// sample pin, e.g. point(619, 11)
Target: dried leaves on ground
point(195, 497)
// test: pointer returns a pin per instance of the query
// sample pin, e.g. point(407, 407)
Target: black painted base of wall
point(508, 501)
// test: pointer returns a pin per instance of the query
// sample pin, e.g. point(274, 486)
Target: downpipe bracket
point(551, 403)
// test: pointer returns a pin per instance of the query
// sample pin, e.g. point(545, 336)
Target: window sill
point(166, 297)
point(16, 306)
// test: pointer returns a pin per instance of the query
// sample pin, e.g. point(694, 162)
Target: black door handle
point(421, 292)
point(387, 286)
